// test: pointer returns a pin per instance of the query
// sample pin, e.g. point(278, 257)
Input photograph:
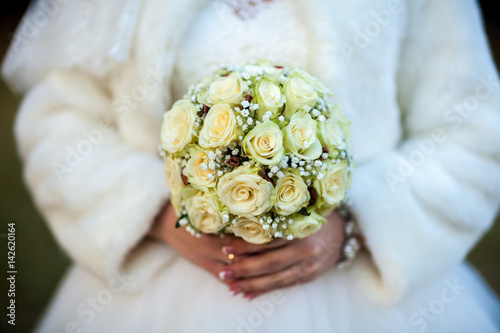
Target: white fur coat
point(415, 77)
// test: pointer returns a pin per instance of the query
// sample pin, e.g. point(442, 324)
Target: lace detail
point(246, 9)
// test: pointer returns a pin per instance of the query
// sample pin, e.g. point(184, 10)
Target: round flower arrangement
point(258, 151)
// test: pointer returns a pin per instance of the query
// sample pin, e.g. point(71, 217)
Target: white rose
point(249, 228)
point(291, 194)
point(177, 126)
point(219, 127)
point(174, 180)
point(299, 136)
point(311, 80)
point(268, 96)
point(304, 226)
point(331, 135)
point(333, 186)
point(264, 143)
point(195, 173)
point(244, 192)
point(203, 211)
point(226, 89)
point(298, 94)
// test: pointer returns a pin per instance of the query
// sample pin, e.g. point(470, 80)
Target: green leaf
point(304, 212)
point(177, 224)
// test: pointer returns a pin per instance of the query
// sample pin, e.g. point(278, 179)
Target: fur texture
point(416, 79)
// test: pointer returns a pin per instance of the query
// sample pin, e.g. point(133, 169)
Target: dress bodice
point(218, 35)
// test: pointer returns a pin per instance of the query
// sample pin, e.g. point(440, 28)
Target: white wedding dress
point(398, 68)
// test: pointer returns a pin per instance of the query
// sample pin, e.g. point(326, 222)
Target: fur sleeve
point(424, 204)
point(98, 194)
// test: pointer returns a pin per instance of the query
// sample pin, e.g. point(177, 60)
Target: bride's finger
point(295, 274)
point(237, 245)
point(263, 263)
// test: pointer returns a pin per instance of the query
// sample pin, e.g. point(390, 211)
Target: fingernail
point(228, 249)
point(249, 296)
point(234, 291)
point(225, 275)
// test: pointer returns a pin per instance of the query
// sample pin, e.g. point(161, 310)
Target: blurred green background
point(40, 263)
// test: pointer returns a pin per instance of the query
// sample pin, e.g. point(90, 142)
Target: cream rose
point(299, 136)
point(249, 228)
point(219, 127)
point(298, 94)
point(304, 226)
point(312, 81)
point(330, 134)
point(197, 171)
point(333, 186)
point(244, 192)
point(177, 126)
point(203, 211)
point(264, 143)
point(174, 180)
point(291, 194)
point(226, 89)
point(269, 97)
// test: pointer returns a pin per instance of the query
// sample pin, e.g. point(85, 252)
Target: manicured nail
point(234, 291)
point(249, 296)
point(228, 249)
point(225, 275)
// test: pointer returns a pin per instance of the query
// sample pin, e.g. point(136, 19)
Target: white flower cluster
point(258, 151)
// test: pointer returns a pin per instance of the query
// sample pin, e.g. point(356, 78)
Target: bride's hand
point(296, 261)
point(210, 252)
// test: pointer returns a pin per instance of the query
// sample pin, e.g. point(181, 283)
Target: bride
point(417, 81)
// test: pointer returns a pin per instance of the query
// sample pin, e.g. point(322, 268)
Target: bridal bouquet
point(257, 151)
